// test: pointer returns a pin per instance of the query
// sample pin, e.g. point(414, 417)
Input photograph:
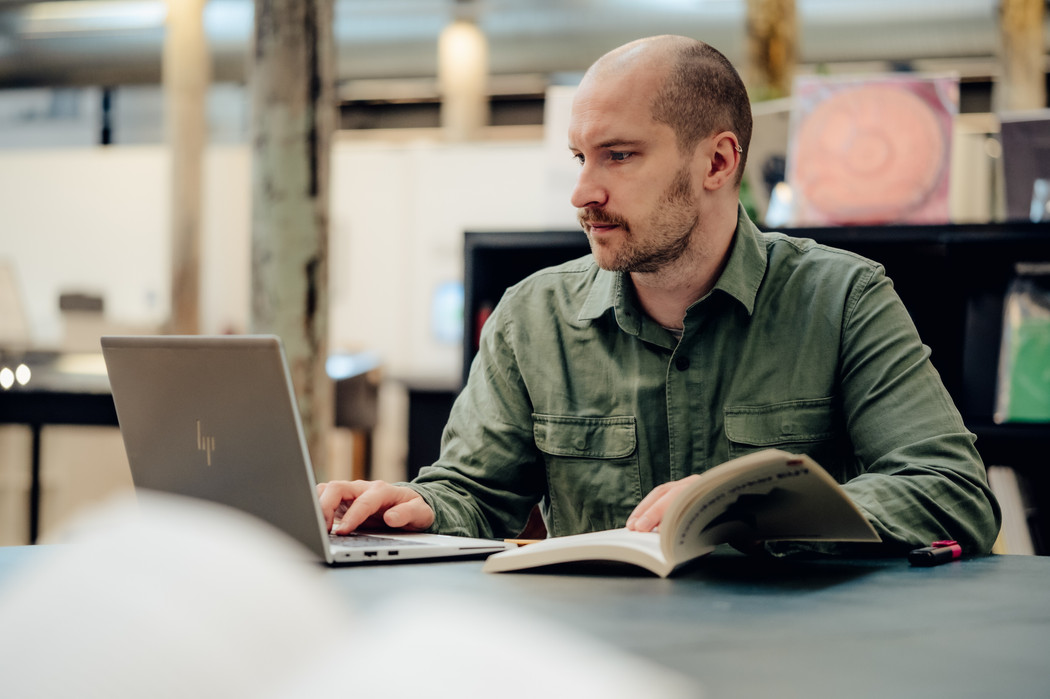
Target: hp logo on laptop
point(205, 443)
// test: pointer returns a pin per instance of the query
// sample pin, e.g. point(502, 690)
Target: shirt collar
point(607, 292)
point(746, 266)
point(740, 279)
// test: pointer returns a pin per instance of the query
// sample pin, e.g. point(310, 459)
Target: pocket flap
point(589, 437)
point(778, 423)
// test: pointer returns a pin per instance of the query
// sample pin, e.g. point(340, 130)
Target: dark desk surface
point(752, 628)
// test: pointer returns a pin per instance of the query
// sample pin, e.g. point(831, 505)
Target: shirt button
point(681, 363)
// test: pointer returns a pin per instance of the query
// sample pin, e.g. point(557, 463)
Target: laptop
point(215, 418)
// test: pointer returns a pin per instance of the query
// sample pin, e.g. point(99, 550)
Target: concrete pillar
point(293, 117)
point(186, 75)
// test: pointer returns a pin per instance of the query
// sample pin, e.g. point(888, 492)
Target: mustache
point(600, 215)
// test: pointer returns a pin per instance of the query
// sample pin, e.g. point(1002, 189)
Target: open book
point(765, 496)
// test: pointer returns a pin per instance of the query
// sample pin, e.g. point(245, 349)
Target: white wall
point(96, 220)
point(400, 212)
point(86, 219)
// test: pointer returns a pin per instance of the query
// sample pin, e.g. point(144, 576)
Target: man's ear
point(725, 155)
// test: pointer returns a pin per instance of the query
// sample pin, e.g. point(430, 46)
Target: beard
point(665, 239)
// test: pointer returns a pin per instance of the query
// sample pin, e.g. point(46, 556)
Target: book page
point(769, 495)
point(623, 545)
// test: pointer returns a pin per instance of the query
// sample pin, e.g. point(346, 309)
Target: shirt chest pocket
point(592, 470)
point(802, 426)
point(584, 437)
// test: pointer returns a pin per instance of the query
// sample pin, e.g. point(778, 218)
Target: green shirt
point(581, 402)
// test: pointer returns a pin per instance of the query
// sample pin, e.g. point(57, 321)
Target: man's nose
point(589, 189)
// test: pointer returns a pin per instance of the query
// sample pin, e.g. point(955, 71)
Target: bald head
point(653, 51)
point(698, 92)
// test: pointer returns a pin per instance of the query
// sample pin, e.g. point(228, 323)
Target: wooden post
point(772, 32)
point(293, 115)
point(1022, 84)
point(187, 73)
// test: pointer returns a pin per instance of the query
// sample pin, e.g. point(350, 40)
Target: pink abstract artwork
point(872, 150)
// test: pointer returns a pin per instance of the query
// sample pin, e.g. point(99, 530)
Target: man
point(688, 337)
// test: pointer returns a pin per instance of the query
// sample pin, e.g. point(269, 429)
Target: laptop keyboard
point(368, 540)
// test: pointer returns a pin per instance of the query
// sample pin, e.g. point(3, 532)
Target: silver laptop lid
point(215, 418)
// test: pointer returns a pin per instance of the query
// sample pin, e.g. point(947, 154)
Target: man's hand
point(350, 505)
point(647, 516)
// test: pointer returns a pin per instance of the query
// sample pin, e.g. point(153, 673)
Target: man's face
point(634, 196)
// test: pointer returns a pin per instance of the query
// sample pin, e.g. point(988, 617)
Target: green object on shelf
point(1029, 374)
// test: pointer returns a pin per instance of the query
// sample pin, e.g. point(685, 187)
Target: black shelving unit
point(493, 261)
point(952, 279)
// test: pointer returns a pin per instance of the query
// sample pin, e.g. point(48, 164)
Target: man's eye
point(578, 157)
point(619, 156)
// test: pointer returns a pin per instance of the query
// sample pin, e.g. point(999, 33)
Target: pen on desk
point(935, 554)
point(523, 542)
